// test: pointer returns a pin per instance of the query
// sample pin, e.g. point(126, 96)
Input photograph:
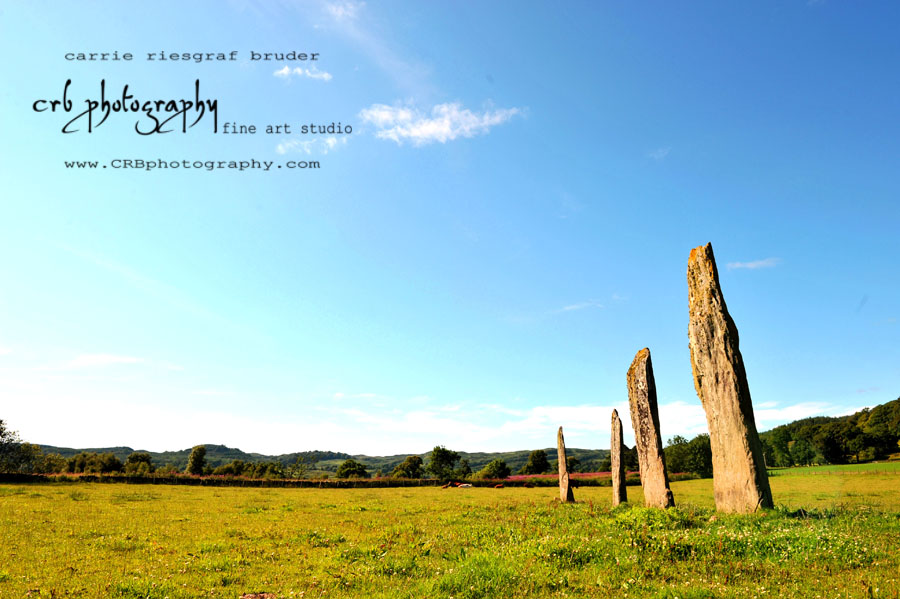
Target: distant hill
point(216, 455)
point(872, 433)
point(478, 460)
point(219, 455)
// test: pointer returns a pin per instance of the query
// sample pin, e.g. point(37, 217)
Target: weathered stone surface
point(740, 481)
point(565, 491)
point(645, 420)
point(619, 494)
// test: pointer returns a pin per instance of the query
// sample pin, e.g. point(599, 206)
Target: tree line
point(870, 434)
point(867, 435)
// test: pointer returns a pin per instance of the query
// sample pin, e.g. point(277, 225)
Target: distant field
point(113, 540)
point(845, 469)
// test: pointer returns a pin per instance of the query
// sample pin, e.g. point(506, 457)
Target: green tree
point(537, 463)
point(572, 464)
point(828, 441)
point(26, 458)
point(9, 449)
point(858, 445)
point(802, 452)
point(411, 467)
point(300, 466)
point(233, 468)
point(630, 459)
point(676, 452)
point(53, 463)
point(264, 470)
point(95, 463)
point(352, 469)
point(463, 471)
point(441, 462)
point(699, 456)
point(768, 452)
point(495, 469)
point(139, 463)
point(108, 463)
point(882, 428)
point(780, 440)
point(167, 469)
point(197, 460)
point(78, 462)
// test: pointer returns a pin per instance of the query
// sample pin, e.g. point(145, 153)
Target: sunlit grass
point(103, 540)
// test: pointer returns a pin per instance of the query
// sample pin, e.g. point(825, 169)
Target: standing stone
point(565, 491)
point(645, 420)
point(619, 494)
point(740, 481)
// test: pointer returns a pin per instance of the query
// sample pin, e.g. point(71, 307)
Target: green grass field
point(116, 540)
point(864, 468)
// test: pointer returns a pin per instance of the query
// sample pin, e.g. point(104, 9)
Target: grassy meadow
point(835, 534)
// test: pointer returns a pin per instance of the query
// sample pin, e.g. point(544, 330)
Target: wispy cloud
point(101, 360)
point(443, 123)
point(313, 73)
point(659, 153)
point(351, 21)
point(568, 205)
point(580, 306)
point(753, 265)
point(769, 417)
point(5, 351)
point(344, 11)
point(317, 145)
point(155, 288)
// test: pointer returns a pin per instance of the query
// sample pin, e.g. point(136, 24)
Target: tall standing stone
point(740, 481)
point(645, 420)
point(565, 491)
point(619, 494)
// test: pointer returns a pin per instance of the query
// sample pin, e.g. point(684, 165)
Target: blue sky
point(479, 260)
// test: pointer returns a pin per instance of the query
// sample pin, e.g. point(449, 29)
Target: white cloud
point(659, 153)
point(383, 116)
point(753, 265)
point(444, 123)
point(5, 351)
point(101, 360)
point(344, 11)
point(287, 72)
point(92, 412)
point(348, 20)
point(580, 306)
point(317, 145)
point(767, 418)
